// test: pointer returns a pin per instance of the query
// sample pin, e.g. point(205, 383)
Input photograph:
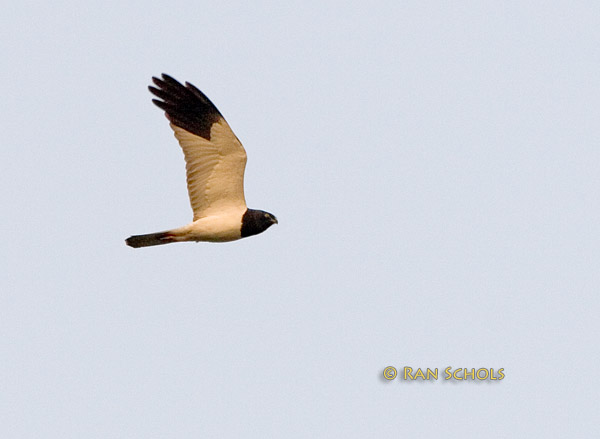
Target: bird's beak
point(275, 219)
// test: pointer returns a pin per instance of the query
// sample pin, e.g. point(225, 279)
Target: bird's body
point(215, 164)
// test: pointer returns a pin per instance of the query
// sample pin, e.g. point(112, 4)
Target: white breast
point(226, 226)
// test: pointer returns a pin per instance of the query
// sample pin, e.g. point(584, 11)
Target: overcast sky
point(434, 167)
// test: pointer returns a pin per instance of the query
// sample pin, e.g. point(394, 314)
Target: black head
point(256, 221)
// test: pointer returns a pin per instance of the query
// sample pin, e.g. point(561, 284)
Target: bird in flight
point(215, 162)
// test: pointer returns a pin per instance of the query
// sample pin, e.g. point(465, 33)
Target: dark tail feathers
point(150, 239)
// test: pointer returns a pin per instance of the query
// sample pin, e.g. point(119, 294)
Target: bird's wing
point(215, 158)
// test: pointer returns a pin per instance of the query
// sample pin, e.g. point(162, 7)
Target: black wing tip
point(169, 89)
point(169, 78)
point(173, 85)
point(165, 78)
point(160, 104)
point(185, 105)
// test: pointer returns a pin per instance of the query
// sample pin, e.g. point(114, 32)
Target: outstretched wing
point(215, 158)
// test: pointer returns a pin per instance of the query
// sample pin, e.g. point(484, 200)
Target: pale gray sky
point(434, 167)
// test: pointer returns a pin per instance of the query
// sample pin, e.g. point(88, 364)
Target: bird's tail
point(159, 238)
